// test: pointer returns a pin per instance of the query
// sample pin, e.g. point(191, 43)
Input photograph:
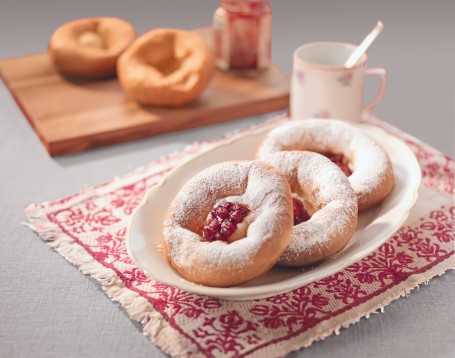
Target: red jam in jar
point(243, 34)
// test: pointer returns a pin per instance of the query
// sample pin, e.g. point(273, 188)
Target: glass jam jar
point(243, 34)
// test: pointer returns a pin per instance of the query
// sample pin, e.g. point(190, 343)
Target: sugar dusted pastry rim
point(372, 175)
point(320, 182)
point(257, 185)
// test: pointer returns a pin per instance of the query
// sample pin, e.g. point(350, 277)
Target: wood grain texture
point(75, 115)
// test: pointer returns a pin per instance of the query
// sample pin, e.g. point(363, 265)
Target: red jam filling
point(223, 220)
point(300, 214)
point(243, 32)
point(340, 160)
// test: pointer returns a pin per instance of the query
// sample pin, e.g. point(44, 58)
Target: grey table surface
point(50, 309)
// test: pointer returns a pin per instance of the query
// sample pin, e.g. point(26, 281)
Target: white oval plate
point(375, 226)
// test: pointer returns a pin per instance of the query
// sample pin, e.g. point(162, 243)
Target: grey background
point(49, 309)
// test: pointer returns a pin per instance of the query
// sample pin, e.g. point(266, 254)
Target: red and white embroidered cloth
point(88, 229)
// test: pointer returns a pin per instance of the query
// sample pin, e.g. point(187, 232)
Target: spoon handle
point(361, 49)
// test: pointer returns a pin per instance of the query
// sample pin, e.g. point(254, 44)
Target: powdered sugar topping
point(370, 164)
point(326, 190)
point(253, 184)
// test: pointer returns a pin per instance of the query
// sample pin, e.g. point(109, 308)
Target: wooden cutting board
point(71, 116)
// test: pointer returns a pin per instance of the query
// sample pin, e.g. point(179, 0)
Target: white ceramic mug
point(321, 87)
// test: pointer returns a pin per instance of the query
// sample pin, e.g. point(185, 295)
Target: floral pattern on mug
point(300, 75)
point(345, 79)
point(322, 114)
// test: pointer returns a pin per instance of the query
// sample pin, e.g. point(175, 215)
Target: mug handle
point(382, 74)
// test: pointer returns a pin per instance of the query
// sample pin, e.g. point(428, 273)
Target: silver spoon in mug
point(361, 49)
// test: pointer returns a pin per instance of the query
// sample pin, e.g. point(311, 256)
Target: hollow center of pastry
point(340, 160)
point(166, 55)
point(300, 213)
point(223, 222)
point(91, 39)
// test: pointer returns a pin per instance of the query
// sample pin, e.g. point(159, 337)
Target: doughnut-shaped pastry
point(323, 195)
point(353, 151)
point(200, 237)
point(166, 67)
point(90, 47)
